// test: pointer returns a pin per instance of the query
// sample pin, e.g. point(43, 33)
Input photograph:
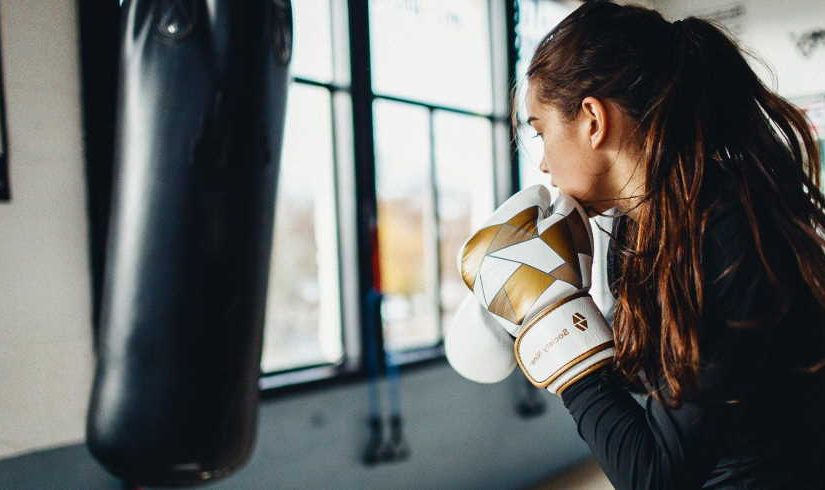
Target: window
point(307, 322)
point(303, 321)
point(440, 133)
point(433, 51)
point(536, 19)
point(431, 197)
point(405, 221)
point(439, 127)
point(464, 184)
point(313, 40)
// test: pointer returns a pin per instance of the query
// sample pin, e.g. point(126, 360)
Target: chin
point(574, 193)
point(583, 198)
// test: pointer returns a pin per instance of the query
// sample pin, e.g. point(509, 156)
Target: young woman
point(717, 261)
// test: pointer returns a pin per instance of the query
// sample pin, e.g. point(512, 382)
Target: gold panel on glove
point(517, 229)
point(474, 252)
point(568, 238)
point(519, 293)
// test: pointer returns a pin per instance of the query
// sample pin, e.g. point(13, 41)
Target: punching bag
point(201, 101)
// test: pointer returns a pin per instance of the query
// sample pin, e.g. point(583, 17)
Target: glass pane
point(404, 224)
point(465, 190)
point(536, 19)
point(303, 322)
point(432, 51)
point(313, 40)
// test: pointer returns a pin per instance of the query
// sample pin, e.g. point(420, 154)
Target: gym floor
point(584, 476)
point(76, 466)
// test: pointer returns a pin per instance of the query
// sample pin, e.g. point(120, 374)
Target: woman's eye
point(537, 135)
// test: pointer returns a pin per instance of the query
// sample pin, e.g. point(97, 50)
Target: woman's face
point(574, 152)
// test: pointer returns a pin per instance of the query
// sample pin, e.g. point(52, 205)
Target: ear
point(594, 112)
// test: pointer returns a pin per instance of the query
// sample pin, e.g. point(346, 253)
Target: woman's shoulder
point(755, 318)
point(726, 242)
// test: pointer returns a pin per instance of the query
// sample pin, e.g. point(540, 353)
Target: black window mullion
point(364, 167)
point(332, 87)
point(512, 19)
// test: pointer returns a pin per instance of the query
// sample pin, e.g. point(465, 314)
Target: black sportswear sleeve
point(656, 446)
point(642, 447)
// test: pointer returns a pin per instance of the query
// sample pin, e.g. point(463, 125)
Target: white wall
point(768, 27)
point(45, 310)
point(644, 3)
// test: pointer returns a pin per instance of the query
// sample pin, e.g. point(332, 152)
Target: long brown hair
point(702, 116)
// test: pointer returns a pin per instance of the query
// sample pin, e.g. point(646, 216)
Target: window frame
point(502, 20)
point(497, 117)
point(339, 93)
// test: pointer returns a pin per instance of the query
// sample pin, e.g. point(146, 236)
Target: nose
point(543, 167)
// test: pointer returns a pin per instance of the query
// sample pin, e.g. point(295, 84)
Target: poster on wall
point(814, 107)
point(809, 42)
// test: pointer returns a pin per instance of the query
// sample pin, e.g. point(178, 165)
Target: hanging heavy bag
point(200, 118)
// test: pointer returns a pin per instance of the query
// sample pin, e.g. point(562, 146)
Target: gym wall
point(770, 29)
point(45, 309)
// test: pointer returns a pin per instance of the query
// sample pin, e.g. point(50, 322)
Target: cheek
point(562, 160)
point(570, 171)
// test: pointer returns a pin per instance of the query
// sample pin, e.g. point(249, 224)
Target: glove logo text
point(579, 321)
point(549, 345)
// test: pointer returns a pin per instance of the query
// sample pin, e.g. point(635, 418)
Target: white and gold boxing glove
point(529, 272)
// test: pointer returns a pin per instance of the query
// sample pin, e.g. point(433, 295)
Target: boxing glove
point(476, 346)
point(529, 269)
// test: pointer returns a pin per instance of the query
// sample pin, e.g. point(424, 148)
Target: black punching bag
point(200, 118)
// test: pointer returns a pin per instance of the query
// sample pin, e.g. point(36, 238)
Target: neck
point(625, 188)
point(629, 185)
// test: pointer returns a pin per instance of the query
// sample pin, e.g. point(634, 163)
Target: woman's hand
point(529, 270)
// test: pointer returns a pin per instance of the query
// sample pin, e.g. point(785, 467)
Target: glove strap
point(564, 342)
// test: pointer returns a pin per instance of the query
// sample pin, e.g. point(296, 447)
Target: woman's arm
point(641, 448)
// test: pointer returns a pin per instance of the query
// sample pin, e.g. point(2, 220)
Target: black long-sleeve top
point(755, 421)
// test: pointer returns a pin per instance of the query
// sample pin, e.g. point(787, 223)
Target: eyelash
point(537, 135)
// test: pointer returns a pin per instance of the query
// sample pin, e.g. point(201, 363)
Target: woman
point(718, 265)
